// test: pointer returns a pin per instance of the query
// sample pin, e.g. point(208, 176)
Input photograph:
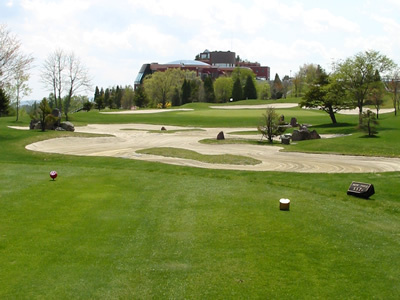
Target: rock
point(314, 135)
point(285, 140)
point(59, 129)
point(220, 136)
point(33, 124)
point(304, 134)
point(56, 113)
point(68, 126)
point(38, 125)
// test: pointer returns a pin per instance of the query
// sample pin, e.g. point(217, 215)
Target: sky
point(114, 38)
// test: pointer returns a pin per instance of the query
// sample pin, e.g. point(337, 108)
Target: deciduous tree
point(326, 94)
point(270, 125)
point(12, 60)
point(77, 79)
point(223, 89)
point(19, 88)
point(357, 75)
point(128, 97)
point(52, 75)
point(393, 86)
point(64, 72)
point(376, 93)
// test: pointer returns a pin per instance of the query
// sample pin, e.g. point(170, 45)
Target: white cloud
point(54, 11)
point(115, 38)
point(321, 20)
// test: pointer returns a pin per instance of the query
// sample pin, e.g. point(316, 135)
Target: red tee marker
point(53, 174)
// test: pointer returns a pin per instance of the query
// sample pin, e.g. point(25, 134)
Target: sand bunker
point(261, 106)
point(128, 138)
point(145, 111)
point(355, 111)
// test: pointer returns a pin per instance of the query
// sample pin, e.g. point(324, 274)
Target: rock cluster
point(304, 134)
point(63, 126)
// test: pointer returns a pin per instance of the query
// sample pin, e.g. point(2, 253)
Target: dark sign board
point(362, 190)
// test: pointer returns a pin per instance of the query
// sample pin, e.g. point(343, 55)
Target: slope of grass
point(117, 228)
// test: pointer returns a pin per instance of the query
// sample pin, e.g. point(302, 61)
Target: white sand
point(125, 142)
point(261, 106)
point(144, 111)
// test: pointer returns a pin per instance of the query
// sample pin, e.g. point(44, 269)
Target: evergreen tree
point(118, 97)
point(176, 97)
point(99, 99)
point(209, 90)
point(44, 113)
point(237, 92)
point(107, 95)
point(4, 103)
point(140, 97)
point(186, 91)
point(277, 88)
point(369, 123)
point(96, 94)
point(249, 91)
point(194, 90)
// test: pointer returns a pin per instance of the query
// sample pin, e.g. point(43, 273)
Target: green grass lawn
point(115, 228)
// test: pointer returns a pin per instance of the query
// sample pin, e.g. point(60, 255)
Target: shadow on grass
point(343, 128)
point(337, 125)
point(369, 137)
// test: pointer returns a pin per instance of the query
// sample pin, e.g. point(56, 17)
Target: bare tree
point(63, 72)
point(14, 67)
point(77, 79)
point(392, 84)
point(19, 88)
point(53, 74)
point(13, 63)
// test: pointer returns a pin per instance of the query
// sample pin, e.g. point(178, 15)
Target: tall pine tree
point(249, 91)
point(209, 90)
point(4, 103)
point(237, 92)
point(140, 97)
point(277, 88)
point(186, 91)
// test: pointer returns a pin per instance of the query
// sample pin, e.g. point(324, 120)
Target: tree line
point(116, 97)
point(360, 80)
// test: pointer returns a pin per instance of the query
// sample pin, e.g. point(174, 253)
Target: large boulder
point(314, 135)
point(68, 126)
point(56, 113)
point(33, 124)
point(38, 125)
point(304, 134)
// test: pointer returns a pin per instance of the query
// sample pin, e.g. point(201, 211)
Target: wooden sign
point(360, 189)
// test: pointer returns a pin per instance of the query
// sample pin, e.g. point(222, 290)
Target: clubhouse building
point(213, 64)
